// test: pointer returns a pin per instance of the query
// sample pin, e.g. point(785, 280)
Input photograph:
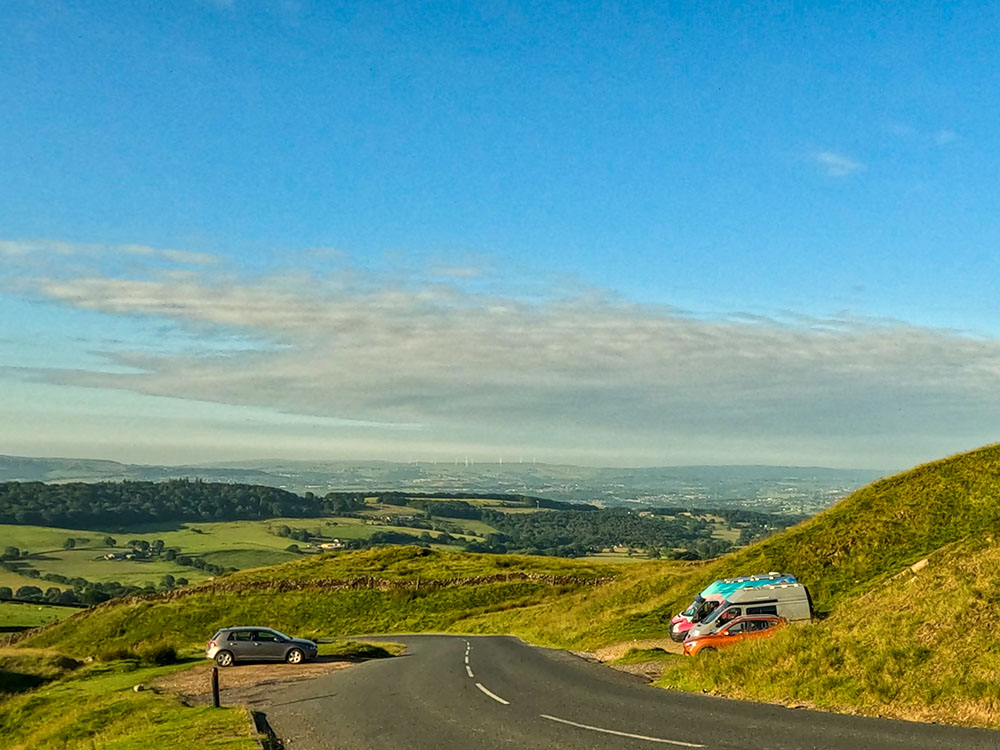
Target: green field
point(17, 616)
point(88, 563)
point(15, 581)
point(233, 544)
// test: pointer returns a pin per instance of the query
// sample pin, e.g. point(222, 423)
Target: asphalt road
point(495, 692)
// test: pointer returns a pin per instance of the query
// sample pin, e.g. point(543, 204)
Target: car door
point(241, 644)
point(763, 628)
point(732, 633)
point(268, 645)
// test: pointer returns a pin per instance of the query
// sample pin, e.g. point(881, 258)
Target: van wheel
point(224, 658)
point(294, 656)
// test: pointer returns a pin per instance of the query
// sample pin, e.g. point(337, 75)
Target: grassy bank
point(96, 706)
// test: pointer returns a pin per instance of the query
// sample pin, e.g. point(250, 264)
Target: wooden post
point(215, 686)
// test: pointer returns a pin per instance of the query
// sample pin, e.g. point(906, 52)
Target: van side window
point(771, 609)
point(731, 613)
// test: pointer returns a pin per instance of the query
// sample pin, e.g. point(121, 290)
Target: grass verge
point(96, 706)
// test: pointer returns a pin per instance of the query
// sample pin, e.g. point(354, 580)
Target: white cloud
point(38, 251)
point(837, 165)
point(589, 375)
point(907, 132)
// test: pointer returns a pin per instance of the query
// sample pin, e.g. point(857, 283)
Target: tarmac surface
point(498, 692)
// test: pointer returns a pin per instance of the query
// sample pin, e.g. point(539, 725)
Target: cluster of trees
point(82, 591)
point(110, 505)
point(447, 503)
point(574, 533)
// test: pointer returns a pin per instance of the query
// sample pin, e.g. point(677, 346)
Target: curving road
point(497, 692)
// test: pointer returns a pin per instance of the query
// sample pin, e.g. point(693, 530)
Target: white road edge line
point(620, 734)
point(469, 670)
point(494, 696)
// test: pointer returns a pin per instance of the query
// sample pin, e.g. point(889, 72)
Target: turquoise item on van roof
point(724, 587)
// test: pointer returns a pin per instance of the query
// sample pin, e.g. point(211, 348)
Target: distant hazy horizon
point(274, 461)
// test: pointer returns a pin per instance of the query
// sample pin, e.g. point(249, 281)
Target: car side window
point(263, 635)
point(738, 627)
point(240, 635)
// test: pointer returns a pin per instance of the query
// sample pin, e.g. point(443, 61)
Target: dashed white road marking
point(469, 670)
point(466, 658)
point(620, 734)
point(494, 696)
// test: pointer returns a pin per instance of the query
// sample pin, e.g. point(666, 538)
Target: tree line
point(113, 505)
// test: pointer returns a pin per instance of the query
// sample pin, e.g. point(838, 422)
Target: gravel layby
point(194, 685)
point(650, 671)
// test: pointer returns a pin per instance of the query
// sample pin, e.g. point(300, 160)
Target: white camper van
point(788, 600)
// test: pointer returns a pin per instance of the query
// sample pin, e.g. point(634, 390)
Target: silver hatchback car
point(251, 643)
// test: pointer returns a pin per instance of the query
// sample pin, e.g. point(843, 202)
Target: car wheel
point(677, 636)
point(295, 656)
point(706, 649)
point(224, 658)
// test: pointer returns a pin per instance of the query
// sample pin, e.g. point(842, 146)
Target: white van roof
point(755, 577)
point(777, 591)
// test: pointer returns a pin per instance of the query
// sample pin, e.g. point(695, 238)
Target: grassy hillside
point(547, 600)
point(918, 646)
point(874, 533)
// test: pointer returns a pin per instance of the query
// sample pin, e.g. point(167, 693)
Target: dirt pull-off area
point(618, 650)
point(648, 670)
point(195, 685)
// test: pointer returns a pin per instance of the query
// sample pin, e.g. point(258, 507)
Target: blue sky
point(680, 233)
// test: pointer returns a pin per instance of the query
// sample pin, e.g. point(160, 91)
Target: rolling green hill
point(877, 531)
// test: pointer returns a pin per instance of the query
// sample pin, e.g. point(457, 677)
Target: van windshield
point(694, 606)
point(705, 610)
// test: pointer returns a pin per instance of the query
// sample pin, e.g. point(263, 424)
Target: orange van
point(739, 630)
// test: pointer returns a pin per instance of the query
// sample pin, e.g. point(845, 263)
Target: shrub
point(115, 653)
point(157, 654)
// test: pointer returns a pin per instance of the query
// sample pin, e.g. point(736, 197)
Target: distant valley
point(772, 489)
